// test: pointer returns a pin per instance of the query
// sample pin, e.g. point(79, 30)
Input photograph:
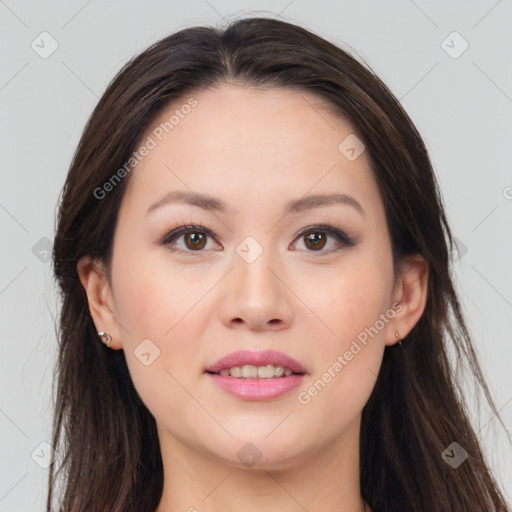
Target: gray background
point(462, 106)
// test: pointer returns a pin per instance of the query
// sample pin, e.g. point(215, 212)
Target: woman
point(257, 304)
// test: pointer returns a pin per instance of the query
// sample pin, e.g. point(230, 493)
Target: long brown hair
point(107, 437)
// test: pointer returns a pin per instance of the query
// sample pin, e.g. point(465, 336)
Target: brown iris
point(315, 240)
point(197, 240)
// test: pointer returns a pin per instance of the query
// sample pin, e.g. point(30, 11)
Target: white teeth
point(236, 371)
point(266, 372)
point(249, 371)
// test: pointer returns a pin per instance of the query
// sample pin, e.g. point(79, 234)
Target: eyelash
point(343, 239)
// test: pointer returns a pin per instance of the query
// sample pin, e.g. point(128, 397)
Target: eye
point(194, 238)
point(315, 238)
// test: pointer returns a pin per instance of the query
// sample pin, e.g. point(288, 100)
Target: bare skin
point(255, 151)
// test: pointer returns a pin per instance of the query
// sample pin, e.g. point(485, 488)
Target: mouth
point(247, 364)
point(249, 371)
point(250, 375)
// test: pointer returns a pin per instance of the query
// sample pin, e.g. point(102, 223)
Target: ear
point(93, 277)
point(410, 297)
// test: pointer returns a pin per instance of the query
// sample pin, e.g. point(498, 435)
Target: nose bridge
point(254, 294)
point(253, 261)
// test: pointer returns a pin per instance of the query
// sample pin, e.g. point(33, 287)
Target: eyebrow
point(210, 203)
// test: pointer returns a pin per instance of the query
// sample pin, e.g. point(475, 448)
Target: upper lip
point(246, 357)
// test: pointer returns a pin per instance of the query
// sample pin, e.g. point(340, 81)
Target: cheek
point(152, 306)
point(153, 296)
point(347, 362)
point(144, 306)
point(156, 302)
point(350, 300)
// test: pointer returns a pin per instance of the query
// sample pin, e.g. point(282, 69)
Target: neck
point(325, 479)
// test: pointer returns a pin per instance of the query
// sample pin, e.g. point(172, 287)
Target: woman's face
point(253, 276)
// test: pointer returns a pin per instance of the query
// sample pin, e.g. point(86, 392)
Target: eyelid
point(184, 229)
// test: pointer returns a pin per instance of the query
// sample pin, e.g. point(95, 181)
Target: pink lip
point(243, 357)
point(257, 389)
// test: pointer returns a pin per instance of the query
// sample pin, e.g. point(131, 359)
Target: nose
point(256, 296)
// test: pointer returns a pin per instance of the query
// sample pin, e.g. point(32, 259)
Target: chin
point(272, 452)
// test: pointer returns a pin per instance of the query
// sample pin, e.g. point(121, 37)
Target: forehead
point(248, 140)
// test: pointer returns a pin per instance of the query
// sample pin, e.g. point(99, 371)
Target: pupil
point(314, 238)
point(196, 239)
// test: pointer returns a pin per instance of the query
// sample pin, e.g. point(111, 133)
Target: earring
point(397, 335)
point(105, 338)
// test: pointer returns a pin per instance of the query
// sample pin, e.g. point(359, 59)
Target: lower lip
point(257, 389)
